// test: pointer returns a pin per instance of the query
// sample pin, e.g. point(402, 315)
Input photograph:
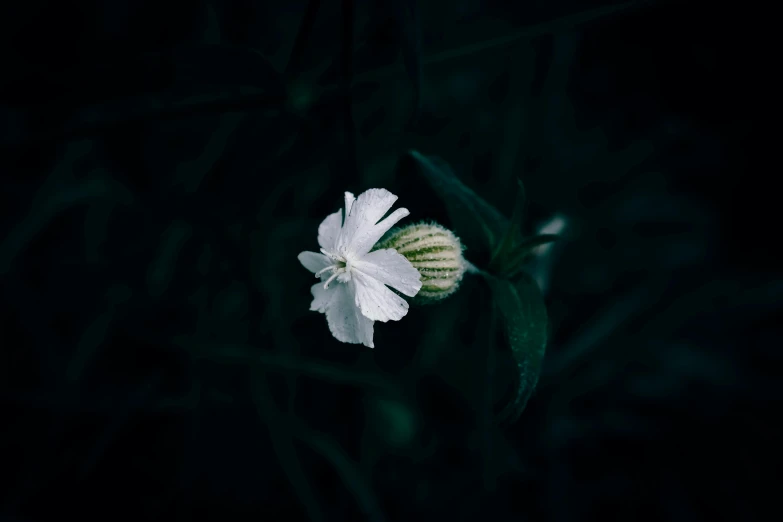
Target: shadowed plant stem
point(284, 446)
point(349, 132)
point(299, 365)
point(349, 472)
point(305, 28)
point(473, 269)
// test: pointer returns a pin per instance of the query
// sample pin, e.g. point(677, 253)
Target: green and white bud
point(435, 252)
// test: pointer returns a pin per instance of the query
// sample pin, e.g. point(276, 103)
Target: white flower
point(352, 292)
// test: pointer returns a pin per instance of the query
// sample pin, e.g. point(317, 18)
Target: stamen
point(327, 269)
point(334, 276)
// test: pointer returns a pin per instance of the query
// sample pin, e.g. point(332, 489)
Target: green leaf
point(518, 215)
point(524, 316)
point(513, 234)
point(162, 270)
point(512, 262)
point(466, 209)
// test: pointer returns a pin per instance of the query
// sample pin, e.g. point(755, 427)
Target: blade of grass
point(284, 447)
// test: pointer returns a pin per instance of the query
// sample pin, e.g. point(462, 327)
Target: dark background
point(163, 163)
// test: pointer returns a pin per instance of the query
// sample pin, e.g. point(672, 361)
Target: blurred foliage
point(163, 164)
point(519, 300)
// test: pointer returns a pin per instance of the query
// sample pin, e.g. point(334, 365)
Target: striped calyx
point(435, 252)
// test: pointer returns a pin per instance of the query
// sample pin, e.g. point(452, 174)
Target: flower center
point(340, 269)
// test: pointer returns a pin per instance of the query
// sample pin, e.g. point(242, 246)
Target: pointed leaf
point(516, 257)
point(524, 316)
point(513, 234)
point(476, 222)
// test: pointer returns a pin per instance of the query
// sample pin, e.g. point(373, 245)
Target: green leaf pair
point(515, 294)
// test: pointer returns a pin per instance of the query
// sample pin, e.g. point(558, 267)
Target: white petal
point(377, 302)
point(329, 229)
point(391, 268)
point(322, 297)
point(349, 199)
point(313, 261)
point(364, 213)
point(364, 243)
point(346, 322)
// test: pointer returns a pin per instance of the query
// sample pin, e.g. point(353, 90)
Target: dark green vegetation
point(163, 163)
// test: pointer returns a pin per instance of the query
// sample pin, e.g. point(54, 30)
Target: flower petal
point(391, 268)
point(346, 322)
point(313, 261)
point(349, 199)
point(364, 243)
point(329, 229)
point(364, 213)
point(322, 297)
point(377, 302)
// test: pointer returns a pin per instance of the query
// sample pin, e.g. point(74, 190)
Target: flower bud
point(435, 252)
